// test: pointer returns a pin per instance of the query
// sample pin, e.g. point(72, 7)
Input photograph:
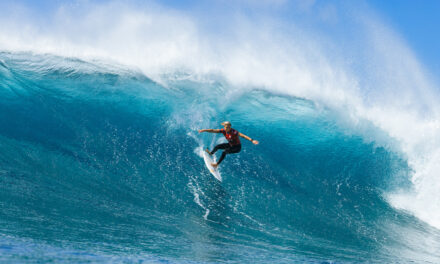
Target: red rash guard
point(232, 136)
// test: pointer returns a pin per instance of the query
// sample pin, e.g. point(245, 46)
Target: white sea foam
point(369, 75)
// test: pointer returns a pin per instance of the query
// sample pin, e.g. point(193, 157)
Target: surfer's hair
point(225, 123)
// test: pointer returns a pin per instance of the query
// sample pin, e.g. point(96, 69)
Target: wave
point(103, 161)
point(352, 121)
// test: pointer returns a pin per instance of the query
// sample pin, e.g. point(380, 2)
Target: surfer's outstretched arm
point(248, 138)
point(209, 130)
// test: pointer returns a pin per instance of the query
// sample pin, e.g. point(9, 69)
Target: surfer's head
point(227, 125)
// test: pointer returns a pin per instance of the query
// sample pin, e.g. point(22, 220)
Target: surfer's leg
point(229, 150)
point(221, 157)
point(233, 149)
point(220, 146)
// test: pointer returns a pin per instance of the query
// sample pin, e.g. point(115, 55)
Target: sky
point(415, 21)
point(418, 22)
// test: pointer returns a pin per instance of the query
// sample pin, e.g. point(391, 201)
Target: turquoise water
point(101, 164)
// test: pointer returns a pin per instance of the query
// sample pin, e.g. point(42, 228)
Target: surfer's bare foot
point(215, 165)
point(209, 152)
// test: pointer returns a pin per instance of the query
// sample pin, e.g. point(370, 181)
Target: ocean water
point(99, 163)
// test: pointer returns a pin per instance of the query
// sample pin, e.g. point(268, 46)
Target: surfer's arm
point(209, 130)
point(248, 138)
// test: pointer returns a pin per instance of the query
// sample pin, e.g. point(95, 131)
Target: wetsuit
point(233, 145)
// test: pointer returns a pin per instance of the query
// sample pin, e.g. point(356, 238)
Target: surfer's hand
point(255, 142)
point(201, 130)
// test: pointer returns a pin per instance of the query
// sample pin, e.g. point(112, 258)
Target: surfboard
point(214, 171)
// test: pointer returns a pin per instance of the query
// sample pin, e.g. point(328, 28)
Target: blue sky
point(416, 22)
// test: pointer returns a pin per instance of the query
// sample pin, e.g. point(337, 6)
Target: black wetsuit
point(233, 145)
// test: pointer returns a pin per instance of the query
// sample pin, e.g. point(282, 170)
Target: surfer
point(233, 145)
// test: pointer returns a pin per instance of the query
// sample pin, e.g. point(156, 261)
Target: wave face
point(100, 163)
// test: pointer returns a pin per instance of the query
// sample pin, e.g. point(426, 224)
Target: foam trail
point(195, 190)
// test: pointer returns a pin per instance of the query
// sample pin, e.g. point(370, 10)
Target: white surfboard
point(214, 171)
